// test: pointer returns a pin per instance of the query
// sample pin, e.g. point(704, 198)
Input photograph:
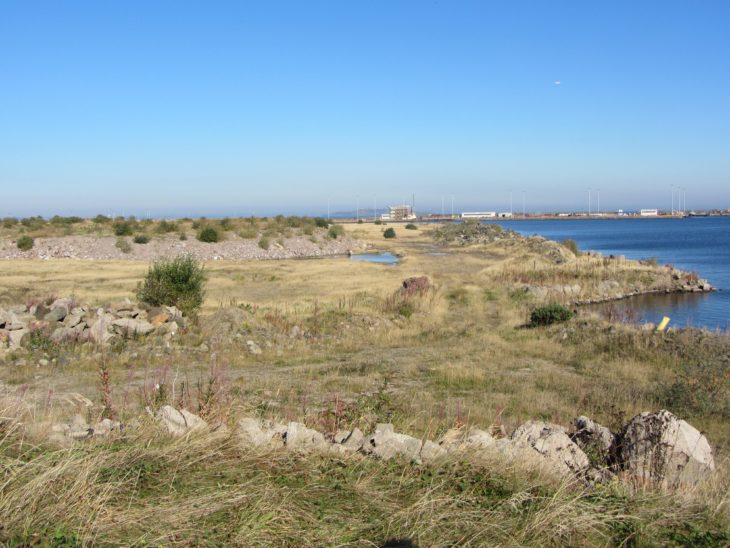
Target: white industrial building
point(478, 214)
point(649, 212)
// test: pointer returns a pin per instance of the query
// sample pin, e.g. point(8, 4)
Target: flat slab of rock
point(387, 444)
point(179, 422)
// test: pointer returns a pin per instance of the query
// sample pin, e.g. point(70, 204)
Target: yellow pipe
point(663, 324)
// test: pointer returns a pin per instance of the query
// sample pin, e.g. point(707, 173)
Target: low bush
point(176, 282)
point(208, 235)
point(226, 224)
point(378, 222)
point(165, 227)
point(183, 236)
point(389, 233)
point(141, 239)
point(25, 243)
point(122, 228)
point(248, 233)
point(336, 231)
point(411, 226)
point(264, 242)
point(123, 245)
point(101, 219)
point(549, 314)
point(321, 223)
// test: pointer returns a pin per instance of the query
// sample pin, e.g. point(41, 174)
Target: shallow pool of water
point(380, 258)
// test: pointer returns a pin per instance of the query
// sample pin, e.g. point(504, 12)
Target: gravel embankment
point(104, 248)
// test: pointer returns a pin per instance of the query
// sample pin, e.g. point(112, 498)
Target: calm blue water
point(382, 258)
point(700, 244)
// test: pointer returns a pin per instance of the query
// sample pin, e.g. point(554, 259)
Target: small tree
point(25, 243)
point(176, 282)
point(389, 233)
point(336, 231)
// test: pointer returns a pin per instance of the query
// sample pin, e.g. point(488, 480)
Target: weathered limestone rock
point(72, 320)
point(664, 450)
point(261, 433)
point(179, 422)
point(17, 337)
point(593, 439)
point(431, 451)
point(457, 439)
point(387, 444)
point(253, 348)
point(301, 438)
point(553, 443)
point(350, 440)
point(130, 327)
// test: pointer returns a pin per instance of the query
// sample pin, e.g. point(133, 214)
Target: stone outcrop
point(663, 450)
point(64, 321)
point(657, 449)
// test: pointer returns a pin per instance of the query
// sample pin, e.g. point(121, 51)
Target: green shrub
point(378, 221)
point(321, 223)
point(33, 223)
point(226, 224)
point(141, 239)
point(411, 226)
point(572, 245)
point(123, 245)
point(264, 242)
point(101, 219)
point(25, 243)
point(164, 227)
point(336, 231)
point(549, 314)
point(183, 236)
point(389, 233)
point(176, 282)
point(208, 235)
point(9, 222)
point(122, 228)
point(360, 221)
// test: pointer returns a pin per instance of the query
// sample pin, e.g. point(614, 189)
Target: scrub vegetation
point(341, 345)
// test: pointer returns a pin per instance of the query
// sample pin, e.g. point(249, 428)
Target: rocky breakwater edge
point(64, 321)
point(659, 450)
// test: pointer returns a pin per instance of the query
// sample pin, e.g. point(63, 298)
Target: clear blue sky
point(262, 107)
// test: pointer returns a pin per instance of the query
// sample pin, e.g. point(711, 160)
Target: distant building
point(504, 214)
point(649, 212)
point(398, 213)
point(478, 214)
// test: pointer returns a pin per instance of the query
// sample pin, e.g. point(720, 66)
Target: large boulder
point(553, 443)
point(179, 422)
point(387, 444)
point(416, 284)
point(663, 450)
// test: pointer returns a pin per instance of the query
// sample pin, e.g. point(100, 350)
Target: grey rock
point(431, 451)
point(457, 439)
point(56, 315)
point(72, 320)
